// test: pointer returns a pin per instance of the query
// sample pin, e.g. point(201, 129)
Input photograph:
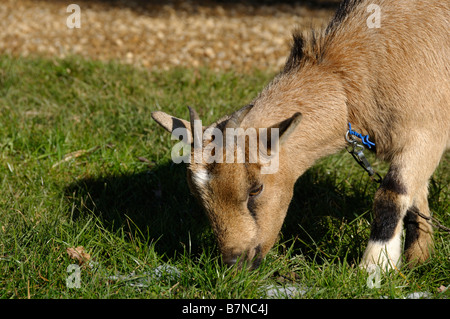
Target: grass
point(83, 164)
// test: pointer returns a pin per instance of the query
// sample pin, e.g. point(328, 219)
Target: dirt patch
point(222, 35)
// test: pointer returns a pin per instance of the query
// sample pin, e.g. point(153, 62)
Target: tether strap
point(357, 151)
point(359, 157)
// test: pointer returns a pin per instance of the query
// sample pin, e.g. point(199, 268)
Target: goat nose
point(251, 258)
point(231, 260)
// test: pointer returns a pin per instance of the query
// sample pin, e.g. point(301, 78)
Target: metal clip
point(357, 151)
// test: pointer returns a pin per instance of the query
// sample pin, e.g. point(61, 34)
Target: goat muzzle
point(251, 258)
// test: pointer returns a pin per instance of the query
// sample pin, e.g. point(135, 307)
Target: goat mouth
point(246, 260)
point(256, 261)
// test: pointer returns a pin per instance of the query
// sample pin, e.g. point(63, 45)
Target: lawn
point(84, 165)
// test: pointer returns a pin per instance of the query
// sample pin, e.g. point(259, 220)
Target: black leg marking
point(387, 216)
point(392, 182)
point(411, 226)
point(386, 207)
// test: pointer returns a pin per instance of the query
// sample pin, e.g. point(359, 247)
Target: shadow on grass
point(156, 204)
point(329, 219)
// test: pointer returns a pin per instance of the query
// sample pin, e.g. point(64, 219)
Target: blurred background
point(158, 35)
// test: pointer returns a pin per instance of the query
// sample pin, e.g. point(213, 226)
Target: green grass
point(133, 215)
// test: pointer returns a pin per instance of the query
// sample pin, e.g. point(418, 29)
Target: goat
point(390, 81)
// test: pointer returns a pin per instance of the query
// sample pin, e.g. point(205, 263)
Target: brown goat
point(387, 75)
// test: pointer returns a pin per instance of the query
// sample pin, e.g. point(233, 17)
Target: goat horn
point(237, 117)
point(194, 117)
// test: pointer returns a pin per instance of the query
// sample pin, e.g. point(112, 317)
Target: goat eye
point(256, 191)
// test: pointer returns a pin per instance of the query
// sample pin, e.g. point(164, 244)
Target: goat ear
point(285, 129)
point(287, 126)
point(170, 123)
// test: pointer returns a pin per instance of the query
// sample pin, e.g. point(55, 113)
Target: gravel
point(220, 35)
